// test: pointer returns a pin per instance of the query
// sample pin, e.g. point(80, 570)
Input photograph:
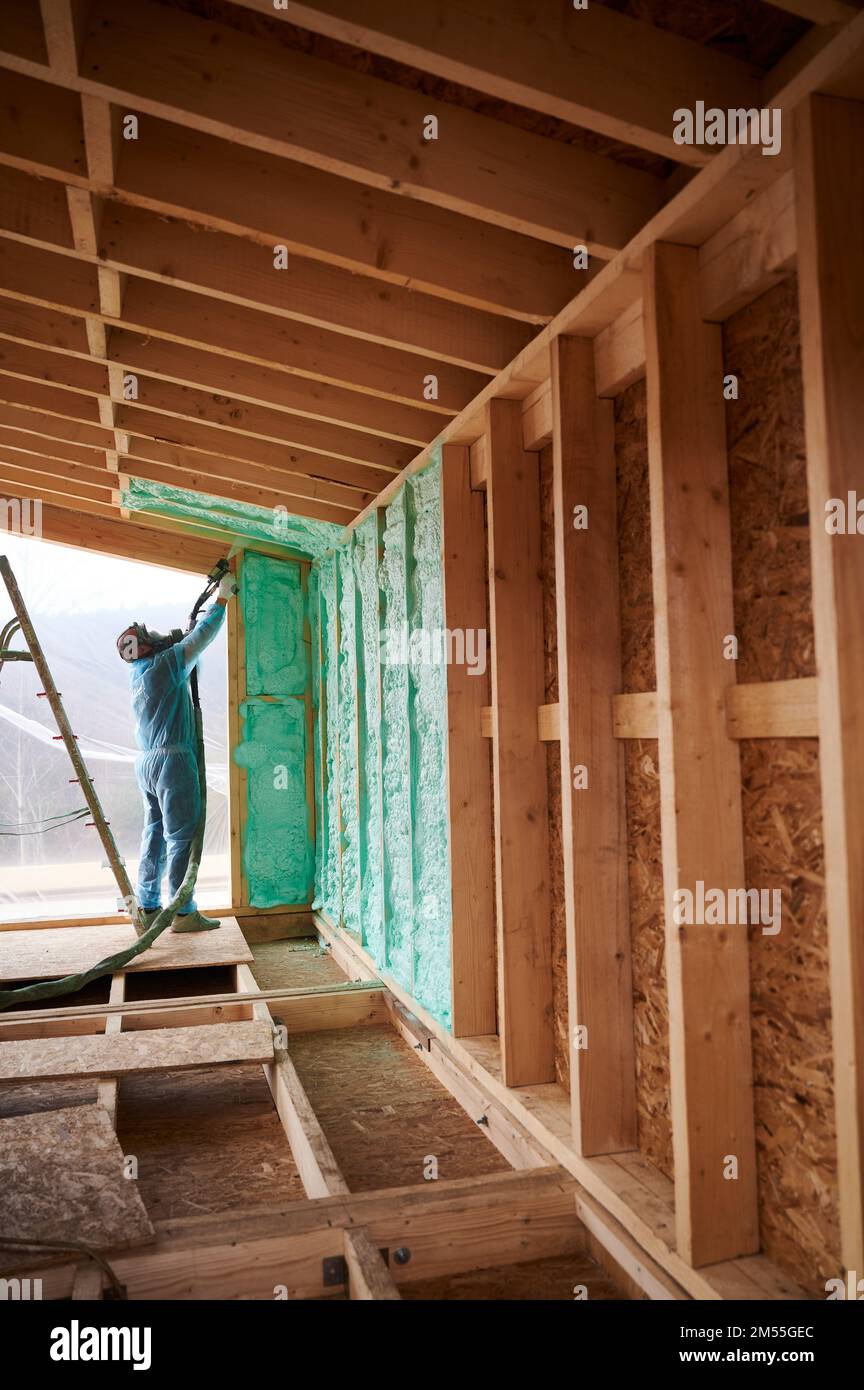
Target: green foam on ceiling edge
point(297, 533)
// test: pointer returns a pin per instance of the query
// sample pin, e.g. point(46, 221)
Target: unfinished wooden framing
point(154, 257)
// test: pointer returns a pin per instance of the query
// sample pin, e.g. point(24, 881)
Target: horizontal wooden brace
point(547, 722)
point(760, 709)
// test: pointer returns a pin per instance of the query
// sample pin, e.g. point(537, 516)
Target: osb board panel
point(642, 784)
point(294, 965)
point(559, 1278)
point(61, 1178)
point(384, 1113)
point(118, 1054)
point(53, 952)
point(206, 1142)
point(553, 775)
point(47, 1095)
point(789, 987)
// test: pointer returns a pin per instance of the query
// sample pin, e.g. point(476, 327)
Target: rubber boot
point(195, 921)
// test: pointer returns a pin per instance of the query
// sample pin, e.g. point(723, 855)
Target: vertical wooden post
point(469, 781)
point(237, 776)
point(593, 822)
point(518, 756)
point(830, 214)
point(700, 784)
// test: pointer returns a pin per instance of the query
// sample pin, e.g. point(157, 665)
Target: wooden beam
point(450, 1226)
point(760, 709)
point(635, 716)
point(128, 539)
point(700, 788)
point(152, 360)
point(819, 11)
point(64, 284)
point(166, 250)
point(35, 466)
point(701, 208)
point(593, 824)
point(518, 757)
point(288, 103)
point(368, 1276)
point(830, 187)
point(623, 67)
point(773, 709)
point(250, 193)
point(469, 785)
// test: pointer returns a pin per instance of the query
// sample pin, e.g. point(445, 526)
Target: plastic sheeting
point(79, 602)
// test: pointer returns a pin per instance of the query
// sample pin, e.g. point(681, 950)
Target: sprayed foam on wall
point(387, 677)
point(428, 710)
point(277, 844)
point(277, 849)
point(329, 888)
point(277, 661)
point(369, 724)
point(321, 828)
point(298, 533)
point(396, 745)
point(348, 760)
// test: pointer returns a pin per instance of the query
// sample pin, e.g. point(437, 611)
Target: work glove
point(227, 586)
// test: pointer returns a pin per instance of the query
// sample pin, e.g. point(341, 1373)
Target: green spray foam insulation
point(272, 524)
point(278, 851)
point(369, 737)
point(312, 600)
point(329, 888)
point(383, 697)
point(277, 847)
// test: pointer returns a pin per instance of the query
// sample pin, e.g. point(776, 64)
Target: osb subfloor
point(384, 1114)
point(206, 1142)
point(294, 965)
point(210, 1141)
point(560, 1278)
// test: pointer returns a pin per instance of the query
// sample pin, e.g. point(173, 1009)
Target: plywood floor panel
point(61, 1178)
point(51, 953)
point(122, 1054)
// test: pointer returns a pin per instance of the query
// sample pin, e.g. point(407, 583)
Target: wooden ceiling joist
point(197, 472)
point(263, 95)
point(151, 361)
point(181, 172)
point(275, 468)
point(592, 66)
point(152, 245)
point(215, 414)
point(70, 286)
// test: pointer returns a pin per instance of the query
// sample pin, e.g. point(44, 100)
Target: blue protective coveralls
point(167, 767)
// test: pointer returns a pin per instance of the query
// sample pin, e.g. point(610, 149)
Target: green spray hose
point(70, 984)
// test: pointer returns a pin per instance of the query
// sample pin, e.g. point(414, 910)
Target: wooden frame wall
point(732, 231)
point(237, 775)
point(655, 311)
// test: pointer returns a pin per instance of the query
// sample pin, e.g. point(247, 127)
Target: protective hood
point(132, 642)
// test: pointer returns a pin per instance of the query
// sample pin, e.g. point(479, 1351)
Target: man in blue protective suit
point(167, 766)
